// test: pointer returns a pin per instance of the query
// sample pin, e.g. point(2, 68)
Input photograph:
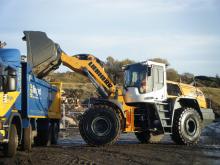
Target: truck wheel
point(54, 133)
point(10, 148)
point(43, 138)
point(27, 139)
point(147, 137)
point(186, 126)
point(143, 137)
point(99, 125)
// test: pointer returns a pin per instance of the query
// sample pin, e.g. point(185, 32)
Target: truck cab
point(10, 86)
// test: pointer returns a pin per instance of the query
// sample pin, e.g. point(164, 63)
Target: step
point(163, 110)
point(162, 103)
point(168, 126)
point(167, 133)
point(166, 118)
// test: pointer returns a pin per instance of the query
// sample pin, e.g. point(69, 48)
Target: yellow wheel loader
point(147, 104)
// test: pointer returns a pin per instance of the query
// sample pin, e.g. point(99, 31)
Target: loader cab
point(145, 82)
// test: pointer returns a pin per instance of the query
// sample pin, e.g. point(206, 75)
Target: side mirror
point(149, 69)
point(11, 80)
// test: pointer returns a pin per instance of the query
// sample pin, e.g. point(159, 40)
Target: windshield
point(135, 75)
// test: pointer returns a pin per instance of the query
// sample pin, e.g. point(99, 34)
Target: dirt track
point(72, 150)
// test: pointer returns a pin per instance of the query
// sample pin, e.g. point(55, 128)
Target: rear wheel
point(43, 137)
point(186, 126)
point(10, 148)
point(148, 137)
point(54, 133)
point(27, 138)
point(99, 125)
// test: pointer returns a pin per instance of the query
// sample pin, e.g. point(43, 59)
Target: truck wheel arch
point(112, 103)
point(116, 106)
point(187, 102)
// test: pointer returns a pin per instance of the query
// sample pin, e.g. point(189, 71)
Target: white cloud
point(149, 6)
point(169, 43)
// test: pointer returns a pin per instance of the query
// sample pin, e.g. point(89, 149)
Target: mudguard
point(113, 103)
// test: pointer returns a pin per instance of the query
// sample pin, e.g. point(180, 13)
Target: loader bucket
point(43, 54)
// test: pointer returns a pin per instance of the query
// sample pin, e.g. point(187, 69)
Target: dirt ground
point(72, 150)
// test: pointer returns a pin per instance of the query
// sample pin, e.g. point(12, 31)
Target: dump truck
point(30, 107)
point(146, 105)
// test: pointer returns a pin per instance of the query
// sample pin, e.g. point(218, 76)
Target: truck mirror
point(11, 83)
point(11, 80)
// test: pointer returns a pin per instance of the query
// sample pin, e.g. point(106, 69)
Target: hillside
point(75, 85)
point(213, 95)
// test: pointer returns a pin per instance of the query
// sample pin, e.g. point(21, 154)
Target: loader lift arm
point(91, 67)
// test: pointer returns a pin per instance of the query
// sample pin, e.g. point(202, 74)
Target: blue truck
point(29, 107)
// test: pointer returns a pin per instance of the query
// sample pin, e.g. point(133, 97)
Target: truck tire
point(54, 133)
point(10, 148)
point(99, 126)
point(27, 138)
point(186, 126)
point(147, 137)
point(43, 138)
point(143, 137)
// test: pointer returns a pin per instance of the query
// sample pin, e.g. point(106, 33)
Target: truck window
point(173, 89)
point(158, 77)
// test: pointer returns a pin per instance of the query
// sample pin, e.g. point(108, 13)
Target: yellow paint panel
point(55, 109)
point(192, 91)
point(189, 90)
point(129, 113)
point(6, 101)
point(37, 116)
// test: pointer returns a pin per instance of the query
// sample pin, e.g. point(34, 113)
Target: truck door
point(159, 86)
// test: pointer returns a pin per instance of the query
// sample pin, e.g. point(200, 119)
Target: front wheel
point(10, 148)
point(99, 125)
point(186, 126)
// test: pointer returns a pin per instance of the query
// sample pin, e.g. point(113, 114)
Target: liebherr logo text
point(101, 76)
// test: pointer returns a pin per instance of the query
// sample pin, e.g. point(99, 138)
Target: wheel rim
point(191, 126)
point(101, 126)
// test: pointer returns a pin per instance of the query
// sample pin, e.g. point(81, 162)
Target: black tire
point(54, 133)
point(186, 127)
point(10, 148)
point(43, 138)
point(147, 137)
point(100, 125)
point(27, 138)
point(143, 137)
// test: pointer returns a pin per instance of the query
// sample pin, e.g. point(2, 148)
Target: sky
point(185, 32)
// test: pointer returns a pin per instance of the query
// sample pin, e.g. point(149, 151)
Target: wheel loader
point(147, 105)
